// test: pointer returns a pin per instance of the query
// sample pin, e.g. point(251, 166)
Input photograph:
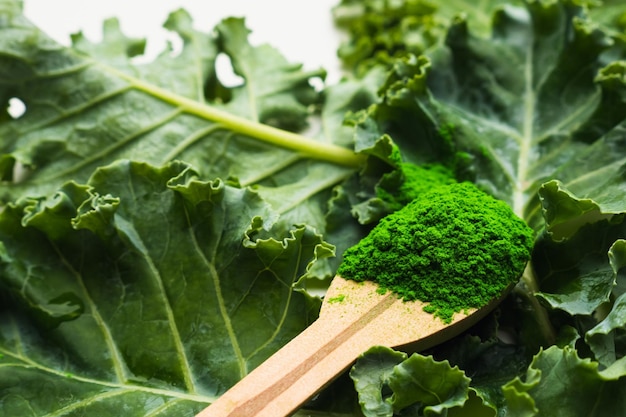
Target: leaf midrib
point(278, 137)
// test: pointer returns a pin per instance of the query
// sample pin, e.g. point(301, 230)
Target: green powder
point(409, 181)
point(454, 247)
point(338, 299)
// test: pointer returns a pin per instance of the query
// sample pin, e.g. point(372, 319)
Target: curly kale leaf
point(142, 290)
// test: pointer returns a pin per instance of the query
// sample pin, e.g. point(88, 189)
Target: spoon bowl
point(354, 317)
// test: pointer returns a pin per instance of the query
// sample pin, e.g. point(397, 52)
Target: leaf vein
point(285, 309)
point(220, 300)
point(123, 224)
point(116, 356)
point(115, 146)
point(67, 113)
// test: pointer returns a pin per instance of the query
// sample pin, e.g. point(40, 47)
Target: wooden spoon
point(353, 318)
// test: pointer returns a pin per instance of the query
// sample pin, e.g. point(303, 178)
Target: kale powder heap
point(454, 247)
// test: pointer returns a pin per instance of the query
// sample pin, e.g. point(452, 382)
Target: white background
point(302, 30)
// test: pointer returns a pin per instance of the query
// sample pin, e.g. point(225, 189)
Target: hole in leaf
point(317, 83)
point(225, 72)
point(16, 108)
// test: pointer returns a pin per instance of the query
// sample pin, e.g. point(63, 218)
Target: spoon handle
point(295, 373)
point(354, 317)
point(288, 378)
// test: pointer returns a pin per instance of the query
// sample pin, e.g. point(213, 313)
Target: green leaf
point(301, 192)
point(559, 383)
point(604, 339)
point(196, 60)
point(371, 375)
point(491, 363)
point(475, 406)
point(576, 275)
point(514, 129)
point(611, 13)
point(90, 105)
point(565, 213)
point(276, 91)
point(141, 290)
point(417, 381)
point(380, 31)
point(436, 385)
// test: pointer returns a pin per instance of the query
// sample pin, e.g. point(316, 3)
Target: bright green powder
point(454, 247)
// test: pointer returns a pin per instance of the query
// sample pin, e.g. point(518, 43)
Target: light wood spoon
point(353, 318)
